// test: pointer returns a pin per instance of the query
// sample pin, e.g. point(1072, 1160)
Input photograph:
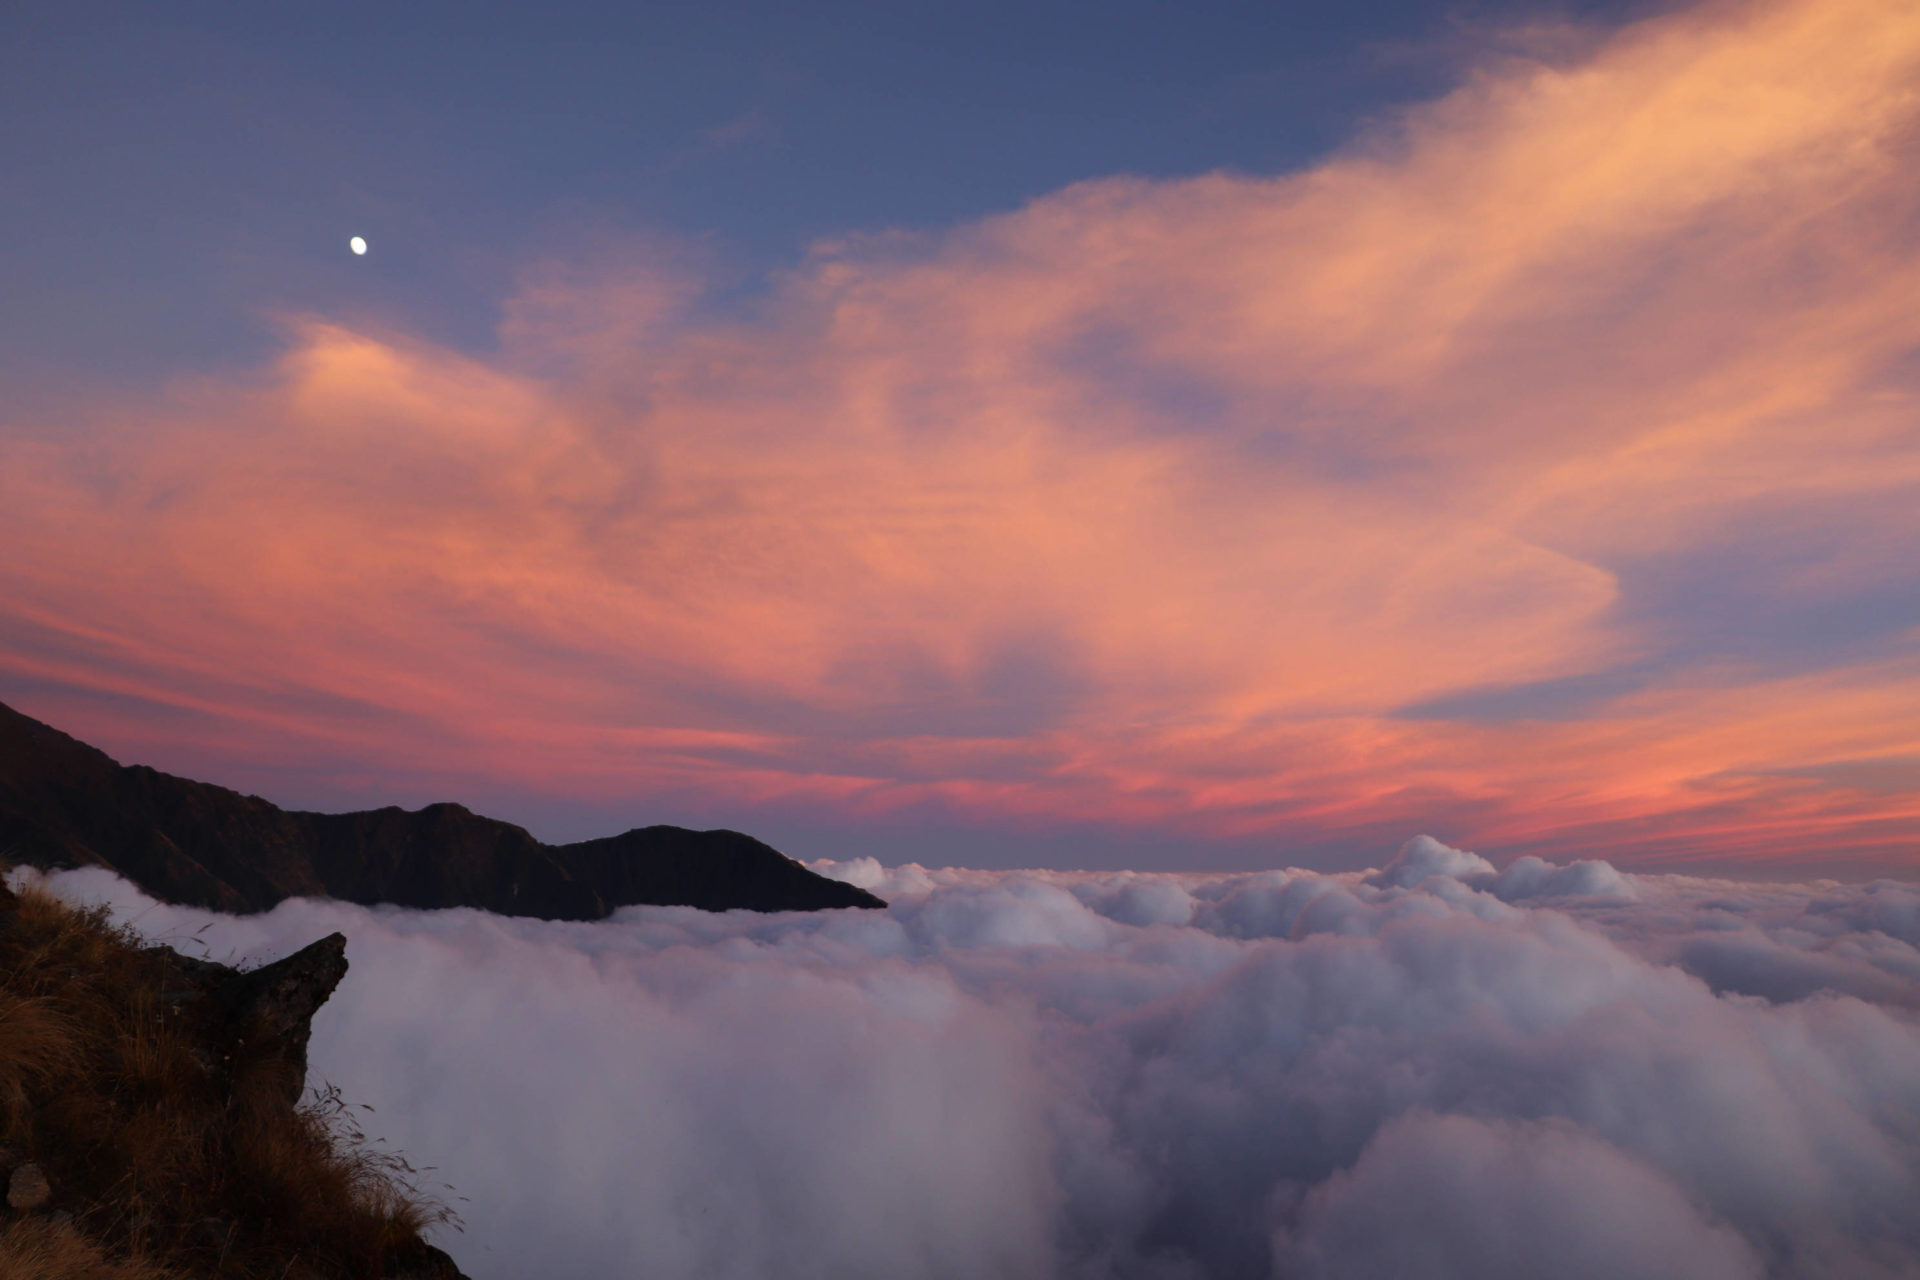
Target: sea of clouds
point(1428, 1070)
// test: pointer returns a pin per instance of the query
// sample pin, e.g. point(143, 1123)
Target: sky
point(1201, 437)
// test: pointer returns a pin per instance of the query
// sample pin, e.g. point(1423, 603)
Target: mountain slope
point(154, 1126)
point(66, 804)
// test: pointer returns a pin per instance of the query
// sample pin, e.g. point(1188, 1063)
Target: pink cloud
point(1151, 503)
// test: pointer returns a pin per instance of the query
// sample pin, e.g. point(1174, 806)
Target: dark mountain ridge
point(66, 804)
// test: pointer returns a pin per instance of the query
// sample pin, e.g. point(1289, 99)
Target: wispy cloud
point(1224, 505)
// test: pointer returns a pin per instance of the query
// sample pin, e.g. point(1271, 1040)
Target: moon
point(358, 245)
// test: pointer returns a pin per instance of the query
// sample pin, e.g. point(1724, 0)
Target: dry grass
point(168, 1169)
point(36, 1249)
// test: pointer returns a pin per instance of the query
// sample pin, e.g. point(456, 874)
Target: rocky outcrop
point(256, 1016)
point(263, 1018)
point(66, 804)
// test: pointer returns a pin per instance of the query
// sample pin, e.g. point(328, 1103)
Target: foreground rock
point(256, 1016)
point(27, 1187)
point(66, 804)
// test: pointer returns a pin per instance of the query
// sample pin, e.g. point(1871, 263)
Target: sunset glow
point(1540, 469)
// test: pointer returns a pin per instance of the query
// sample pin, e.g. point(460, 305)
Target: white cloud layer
point(1429, 1070)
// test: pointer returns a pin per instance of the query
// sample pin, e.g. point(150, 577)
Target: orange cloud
point(1542, 468)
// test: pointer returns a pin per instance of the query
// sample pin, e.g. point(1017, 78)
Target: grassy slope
point(167, 1168)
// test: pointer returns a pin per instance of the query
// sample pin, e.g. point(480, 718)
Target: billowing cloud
point(1446, 1196)
point(1432, 1070)
point(1543, 467)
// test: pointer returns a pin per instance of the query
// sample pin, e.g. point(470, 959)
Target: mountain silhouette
point(66, 804)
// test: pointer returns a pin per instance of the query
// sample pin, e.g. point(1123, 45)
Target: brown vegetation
point(175, 1149)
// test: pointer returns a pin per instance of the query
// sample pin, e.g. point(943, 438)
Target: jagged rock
point(262, 1017)
point(27, 1188)
point(65, 804)
point(270, 1009)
